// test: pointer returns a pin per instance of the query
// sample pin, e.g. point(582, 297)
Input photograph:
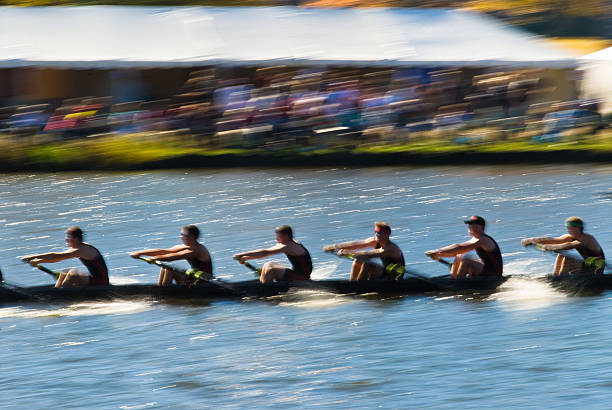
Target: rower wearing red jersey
point(586, 245)
point(490, 263)
point(298, 255)
point(191, 250)
point(87, 254)
point(389, 253)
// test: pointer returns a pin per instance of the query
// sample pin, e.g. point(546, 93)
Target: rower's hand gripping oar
point(196, 274)
point(190, 273)
point(394, 269)
point(442, 261)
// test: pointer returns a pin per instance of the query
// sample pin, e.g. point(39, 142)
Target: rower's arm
point(566, 246)
point(260, 253)
point(454, 249)
point(174, 256)
point(350, 245)
point(52, 257)
point(545, 240)
point(374, 253)
point(154, 252)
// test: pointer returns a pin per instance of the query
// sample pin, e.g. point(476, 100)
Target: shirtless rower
point(490, 263)
point(87, 254)
point(586, 245)
point(191, 250)
point(298, 255)
point(389, 253)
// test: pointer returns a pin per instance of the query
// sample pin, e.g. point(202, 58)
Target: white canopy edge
point(107, 37)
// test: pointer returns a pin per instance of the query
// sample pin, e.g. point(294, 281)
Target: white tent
point(142, 37)
point(597, 78)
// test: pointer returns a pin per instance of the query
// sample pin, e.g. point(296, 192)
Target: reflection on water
point(79, 309)
point(308, 299)
point(527, 294)
point(306, 349)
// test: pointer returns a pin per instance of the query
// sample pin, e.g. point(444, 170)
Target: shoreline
point(137, 154)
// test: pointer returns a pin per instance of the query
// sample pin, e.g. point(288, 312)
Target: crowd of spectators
point(314, 107)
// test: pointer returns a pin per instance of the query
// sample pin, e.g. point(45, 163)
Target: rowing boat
point(581, 283)
point(246, 289)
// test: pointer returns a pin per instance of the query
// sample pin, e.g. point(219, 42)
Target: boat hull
point(581, 283)
point(248, 289)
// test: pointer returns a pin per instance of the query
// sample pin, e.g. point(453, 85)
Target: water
point(526, 346)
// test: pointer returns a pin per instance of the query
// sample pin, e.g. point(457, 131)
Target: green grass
point(144, 151)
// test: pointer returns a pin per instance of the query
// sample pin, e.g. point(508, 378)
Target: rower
point(191, 250)
point(490, 263)
point(298, 255)
point(390, 254)
point(86, 253)
point(586, 245)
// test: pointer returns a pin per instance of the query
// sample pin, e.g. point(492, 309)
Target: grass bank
point(143, 151)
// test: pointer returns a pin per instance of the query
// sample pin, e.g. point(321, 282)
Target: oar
point(197, 274)
point(397, 270)
point(442, 261)
point(251, 267)
point(44, 269)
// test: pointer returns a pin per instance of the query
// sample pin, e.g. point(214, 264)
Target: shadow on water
point(303, 298)
point(320, 299)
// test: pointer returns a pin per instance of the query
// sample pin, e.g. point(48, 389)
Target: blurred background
point(301, 76)
point(308, 74)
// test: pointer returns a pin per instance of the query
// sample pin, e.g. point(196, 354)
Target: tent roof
point(115, 36)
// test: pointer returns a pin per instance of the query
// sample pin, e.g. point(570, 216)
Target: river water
point(526, 346)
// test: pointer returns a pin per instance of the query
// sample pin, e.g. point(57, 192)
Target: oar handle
point(196, 274)
point(343, 255)
point(395, 269)
point(442, 261)
point(44, 269)
point(253, 268)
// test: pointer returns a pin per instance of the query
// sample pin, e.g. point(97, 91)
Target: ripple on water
point(306, 349)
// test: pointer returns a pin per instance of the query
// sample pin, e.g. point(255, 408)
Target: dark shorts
point(489, 272)
point(291, 275)
point(190, 281)
point(97, 281)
